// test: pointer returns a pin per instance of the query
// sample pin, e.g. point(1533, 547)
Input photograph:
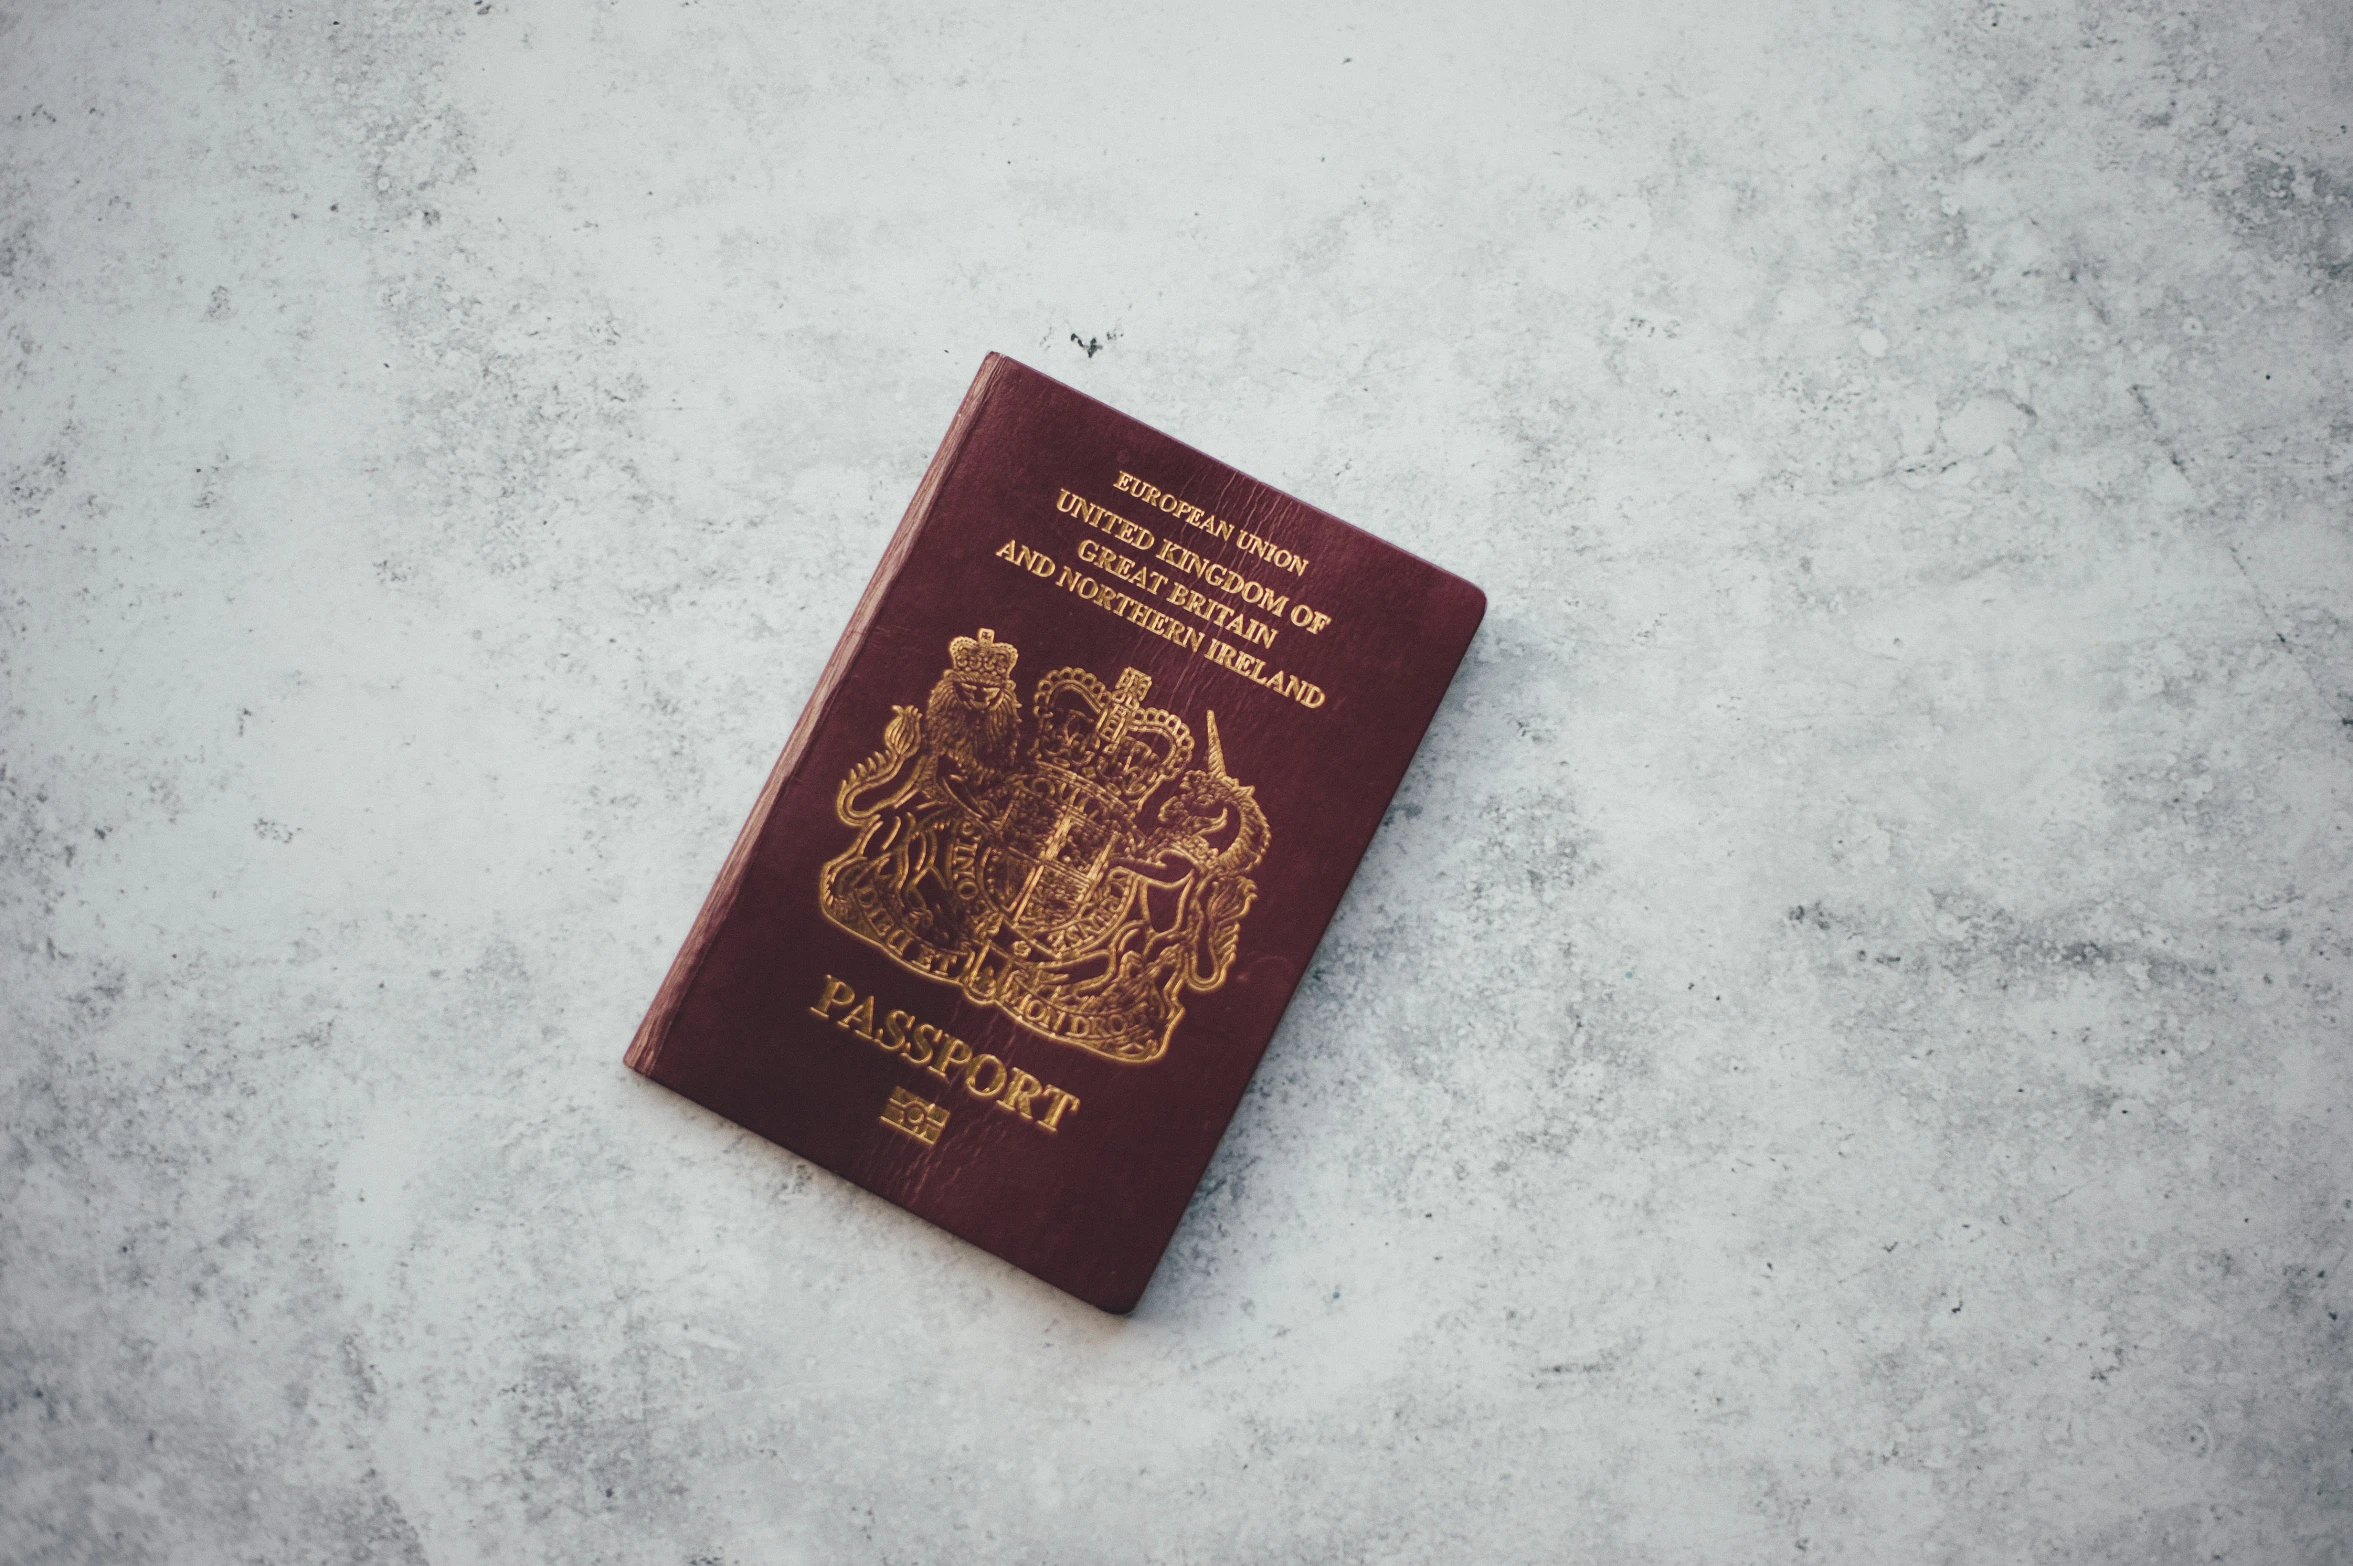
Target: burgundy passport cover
point(1057, 834)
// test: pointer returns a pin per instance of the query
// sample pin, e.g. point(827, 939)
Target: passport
point(1053, 843)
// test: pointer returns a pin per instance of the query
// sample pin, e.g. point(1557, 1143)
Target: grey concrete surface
point(1840, 1053)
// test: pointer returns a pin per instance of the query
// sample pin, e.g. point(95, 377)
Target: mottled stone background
point(1840, 1053)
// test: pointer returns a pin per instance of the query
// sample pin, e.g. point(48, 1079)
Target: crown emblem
point(1075, 873)
point(1109, 740)
point(985, 659)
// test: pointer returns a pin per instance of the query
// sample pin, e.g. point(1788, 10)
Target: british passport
point(1055, 838)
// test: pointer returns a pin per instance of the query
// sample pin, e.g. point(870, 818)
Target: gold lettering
point(1244, 628)
point(1020, 1088)
point(1273, 553)
point(836, 994)
point(942, 1054)
point(1104, 521)
point(1034, 561)
point(1112, 601)
point(1225, 579)
point(1176, 506)
point(954, 1054)
point(859, 1021)
point(1121, 566)
point(1249, 667)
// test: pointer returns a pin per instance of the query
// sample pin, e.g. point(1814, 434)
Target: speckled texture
point(1839, 1055)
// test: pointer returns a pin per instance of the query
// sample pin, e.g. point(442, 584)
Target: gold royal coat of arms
point(1025, 865)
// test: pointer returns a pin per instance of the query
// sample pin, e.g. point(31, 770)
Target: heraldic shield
point(1027, 863)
